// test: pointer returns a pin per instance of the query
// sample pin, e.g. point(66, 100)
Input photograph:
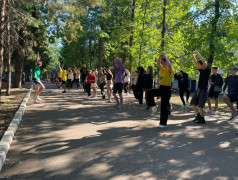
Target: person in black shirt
point(232, 96)
point(148, 83)
point(200, 97)
point(140, 83)
point(216, 83)
point(84, 73)
point(182, 78)
point(109, 77)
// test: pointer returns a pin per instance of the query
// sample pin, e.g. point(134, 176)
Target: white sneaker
point(188, 102)
point(213, 112)
point(162, 126)
point(110, 101)
point(183, 107)
point(207, 111)
point(36, 101)
point(38, 98)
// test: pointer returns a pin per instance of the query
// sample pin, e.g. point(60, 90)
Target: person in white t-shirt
point(70, 77)
point(127, 78)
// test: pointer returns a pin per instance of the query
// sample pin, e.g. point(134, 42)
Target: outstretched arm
point(169, 64)
point(202, 59)
point(37, 58)
point(194, 59)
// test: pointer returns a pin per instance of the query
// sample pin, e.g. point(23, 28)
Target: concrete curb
point(9, 134)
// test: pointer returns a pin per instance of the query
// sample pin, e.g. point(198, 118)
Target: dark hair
point(200, 62)
point(163, 59)
point(151, 70)
point(215, 67)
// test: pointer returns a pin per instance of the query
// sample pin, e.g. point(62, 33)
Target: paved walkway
point(69, 136)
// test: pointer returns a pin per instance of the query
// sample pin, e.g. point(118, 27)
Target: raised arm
point(195, 60)
point(159, 60)
point(121, 65)
point(202, 59)
point(37, 58)
point(169, 64)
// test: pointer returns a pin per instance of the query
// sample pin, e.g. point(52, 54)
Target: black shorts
point(63, 82)
point(212, 94)
point(60, 79)
point(36, 81)
point(199, 98)
point(117, 88)
point(233, 97)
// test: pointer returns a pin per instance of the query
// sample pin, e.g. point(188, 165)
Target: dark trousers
point(70, 84)
point(84, 83)
point(165, 93)
point(77, 82)
point(88, 89)
point(135, 91)
point(140, 95)
point(181, 94)
point(126, 87)
point(102, 89)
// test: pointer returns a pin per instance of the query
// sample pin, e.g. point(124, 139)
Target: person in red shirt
point(88, 85)
point(93, 83)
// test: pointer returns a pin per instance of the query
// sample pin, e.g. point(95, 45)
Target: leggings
point(181, 94)
point(102, 88)
point(126, 87)
point(165, 93)
point(88, 89)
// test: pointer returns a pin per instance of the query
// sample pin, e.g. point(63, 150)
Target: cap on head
point(234, 68)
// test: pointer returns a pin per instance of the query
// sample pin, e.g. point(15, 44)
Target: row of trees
point(139, 30)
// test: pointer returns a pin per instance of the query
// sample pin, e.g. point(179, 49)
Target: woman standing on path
point(64, 78)
point(93, 79)
point(164, 90)
point(109, 77)
point(70, 78)
point(88, 85)
point(77, 76)
point(39, 87)
point(148, 82)
point(120, 70)
point(102, 82)
point(139, 84)
point(127, 79)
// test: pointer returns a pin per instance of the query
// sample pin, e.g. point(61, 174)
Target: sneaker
point(197, 118)
point(36, 101)
point(234, 115)
point(119, 106)
point(207, 111)
point(213, 112)
point(188, 102)
point(38, 98)
point(154, 109)
point(200, 121)
point(183, 107)
point(162, 126)
point(110, 101)
point(64, 92)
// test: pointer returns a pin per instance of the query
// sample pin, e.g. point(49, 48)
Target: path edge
point(8, 136)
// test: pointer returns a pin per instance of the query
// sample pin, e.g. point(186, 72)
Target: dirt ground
point(9, 105)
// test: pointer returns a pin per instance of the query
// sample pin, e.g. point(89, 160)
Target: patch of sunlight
point(144, 175)
point(131, 142)
point(198, 153)
point(189, 174)
point(121, 177)
point(223, 145)
point(221, 178)
point(175, 162)
point(98, 170)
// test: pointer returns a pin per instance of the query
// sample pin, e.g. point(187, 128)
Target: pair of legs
point(38, 89)
point(94, 88)
point(64, 86)
point(77, 83)
point(165, 93)
point(109, 89)
point(140, 95)
point(84, 84)
point(198, 103)
point(102, 89)
point(118, 89)
point(126, 87)
point(229, 99)
point(212, 94)
point(181, 94)
point(70, 84)
point(88, 89)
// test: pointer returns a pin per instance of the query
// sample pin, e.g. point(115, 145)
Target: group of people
point(144, 84)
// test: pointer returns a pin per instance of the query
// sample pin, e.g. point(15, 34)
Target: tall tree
point(8, 50)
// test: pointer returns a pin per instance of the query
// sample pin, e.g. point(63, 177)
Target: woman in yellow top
point(64, 79)
point(60, 71)
point(164, 90)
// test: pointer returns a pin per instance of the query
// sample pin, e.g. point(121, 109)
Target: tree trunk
point(142, 34)
point(2, 27)
point(101, 44)
point(214, 32)
point(8, 90)
point(163, 25)
point(132, 33)
point(18, 70)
